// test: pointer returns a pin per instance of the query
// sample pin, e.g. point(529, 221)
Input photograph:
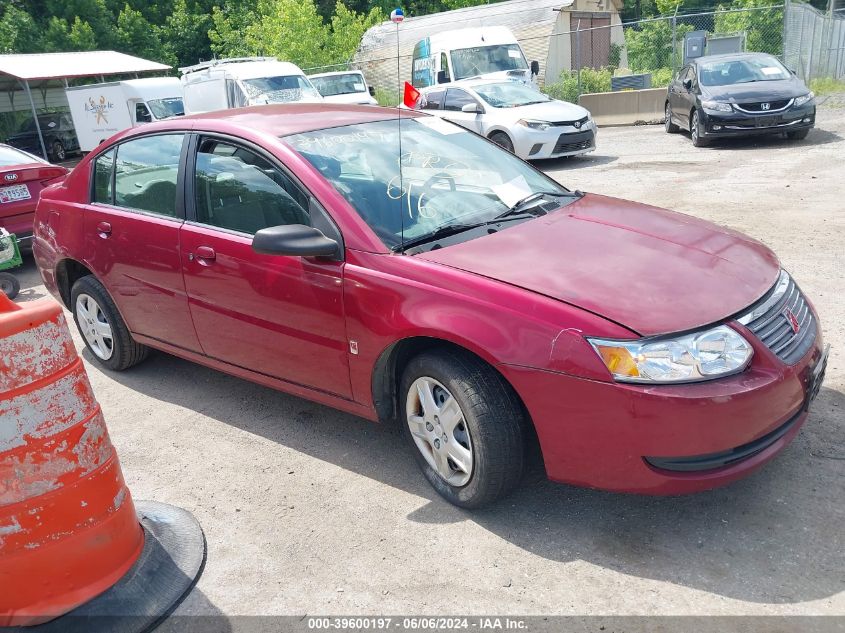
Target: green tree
point(763, 27)
point(347, 29)
point(18, 31)
point(136, 36)
point(291, 30)
point(81, 36)
point(185, 34)
point(229, 23)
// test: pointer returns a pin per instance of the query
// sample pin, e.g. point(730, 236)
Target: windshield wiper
point(517, 207)
point(453, 229)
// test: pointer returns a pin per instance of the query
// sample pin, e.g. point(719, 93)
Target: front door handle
point(103, 229)
point(205, 254)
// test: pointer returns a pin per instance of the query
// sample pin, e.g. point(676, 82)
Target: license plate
point(816, 378)
point(766, 121)
point(14, 193)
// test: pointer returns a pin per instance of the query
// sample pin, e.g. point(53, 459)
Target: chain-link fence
point(588, 51)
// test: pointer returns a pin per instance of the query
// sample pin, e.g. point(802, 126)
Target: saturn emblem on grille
point(765, 106)
point(792, 320)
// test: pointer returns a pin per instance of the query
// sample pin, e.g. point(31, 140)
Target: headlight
point(692, 357)
point(799, 101)
point(535, 125)
point(718, 106)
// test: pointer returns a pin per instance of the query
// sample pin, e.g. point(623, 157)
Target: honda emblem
point(792, 320)
point(765, 106)
point(10, 177)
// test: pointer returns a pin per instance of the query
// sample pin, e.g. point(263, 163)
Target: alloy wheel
point(439, 430)
point(693, 129)
point(94, 326)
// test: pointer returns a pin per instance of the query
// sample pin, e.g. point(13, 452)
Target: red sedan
point(22, 177)
point(437, 280)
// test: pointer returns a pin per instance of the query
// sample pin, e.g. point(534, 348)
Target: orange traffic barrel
point(76, 552)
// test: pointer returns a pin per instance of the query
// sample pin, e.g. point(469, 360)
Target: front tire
point(502, 140)
point(465, 426)
point(695, 130)
point(102, 328)
point(670, 127)
point(9, 285)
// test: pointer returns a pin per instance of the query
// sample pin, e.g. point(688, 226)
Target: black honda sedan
point(738, 95)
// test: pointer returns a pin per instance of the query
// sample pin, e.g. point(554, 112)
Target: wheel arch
point(68, 271)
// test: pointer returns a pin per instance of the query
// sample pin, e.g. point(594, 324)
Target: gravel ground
point(307, 510)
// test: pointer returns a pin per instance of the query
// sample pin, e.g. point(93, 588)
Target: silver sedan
point(518, 117)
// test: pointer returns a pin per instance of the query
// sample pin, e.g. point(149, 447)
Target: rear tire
point(502, 140)
point(9, 285)
point(670, 127)
point(799, 135)
point(465, 426)
point(57, 152)
point(695, 129)
point(102, 328)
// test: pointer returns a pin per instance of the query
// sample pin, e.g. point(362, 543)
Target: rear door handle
point(205, 254)
point(104, 229)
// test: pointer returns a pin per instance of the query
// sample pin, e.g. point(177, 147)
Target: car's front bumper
point(667, 439)
point(721, 124)
point(554, 142)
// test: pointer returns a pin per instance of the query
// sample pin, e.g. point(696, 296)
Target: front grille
point(769, 320)
point(774, 106)
point(573, 142)
point(573, 123)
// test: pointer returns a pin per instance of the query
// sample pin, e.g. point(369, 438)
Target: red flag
point(412, 95)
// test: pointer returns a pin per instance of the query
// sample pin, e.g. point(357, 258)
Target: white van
point(234, 83)
point(101, 110)
point(346, 86)
point(487, 52)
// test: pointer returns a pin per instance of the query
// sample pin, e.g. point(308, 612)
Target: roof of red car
point(294, 118)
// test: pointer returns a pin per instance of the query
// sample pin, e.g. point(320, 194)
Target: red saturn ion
point(435, 279)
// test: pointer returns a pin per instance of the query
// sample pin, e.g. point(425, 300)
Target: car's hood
point(549, 111)
point(758, 91)
point(362, 98)
point(651, 270)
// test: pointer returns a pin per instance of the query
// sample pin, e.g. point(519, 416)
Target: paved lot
point(307, 510)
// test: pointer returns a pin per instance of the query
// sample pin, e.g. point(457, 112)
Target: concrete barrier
point(625, 107)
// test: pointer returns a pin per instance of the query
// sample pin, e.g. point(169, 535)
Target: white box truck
point(101, 110)
point(244, 81)
point(488, 52)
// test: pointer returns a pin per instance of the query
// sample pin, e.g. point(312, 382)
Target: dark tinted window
point(103, 167)
point(146, 173)
point(239, 190)
point(457, 99)
point(431, 100)
point(444, 66)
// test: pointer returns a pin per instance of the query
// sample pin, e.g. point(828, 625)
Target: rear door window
point(146, 173)
point(431, 100)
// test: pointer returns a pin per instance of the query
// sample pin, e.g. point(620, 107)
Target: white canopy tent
point(29, 71)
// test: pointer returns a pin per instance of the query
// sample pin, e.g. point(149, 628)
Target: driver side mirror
point(688, 84)
point(442, 77)
point(294, 239)
point(535, 67)
point(372, 91)
point(472, 108)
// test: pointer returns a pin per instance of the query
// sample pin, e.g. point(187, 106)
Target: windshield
point(480, 60)
point(10, 156)
point(449, 176)
point(163, 108)
point(282, 89)
point(509, 94)
point(46, 122)
point(346, 84)
point(741, 71)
